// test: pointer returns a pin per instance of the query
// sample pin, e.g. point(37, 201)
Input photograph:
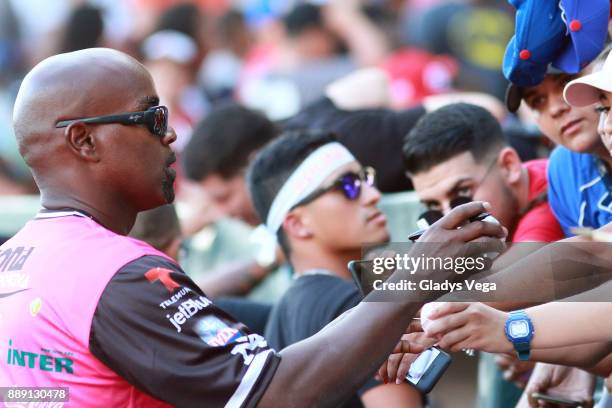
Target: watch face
point(518, 329)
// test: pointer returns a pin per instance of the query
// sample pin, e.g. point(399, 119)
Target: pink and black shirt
point(118, 322)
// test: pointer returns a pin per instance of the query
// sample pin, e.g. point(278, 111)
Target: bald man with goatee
point(117, 323)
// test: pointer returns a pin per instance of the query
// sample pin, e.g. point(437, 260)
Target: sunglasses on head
point(155, 119)
point(349, 184)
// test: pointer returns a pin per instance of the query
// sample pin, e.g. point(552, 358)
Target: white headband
point(305, 179)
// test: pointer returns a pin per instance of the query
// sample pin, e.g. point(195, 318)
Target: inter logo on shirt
point(40, 361)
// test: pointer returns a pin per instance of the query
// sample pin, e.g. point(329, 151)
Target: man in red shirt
point(458, 154)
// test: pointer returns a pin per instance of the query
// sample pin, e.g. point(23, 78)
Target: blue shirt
point(577, 194)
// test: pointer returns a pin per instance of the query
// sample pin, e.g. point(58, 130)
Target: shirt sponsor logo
point(35, 306)
point(36, 361)
point(162, 275)
point(246, 346)
point(175, 298)
point(215, 332)
point(13, 259)
point(4, 295)
point(186, 310)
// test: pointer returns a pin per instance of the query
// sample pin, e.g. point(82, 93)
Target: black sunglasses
point(431, 216)
point(154, 118)
point(349, 184)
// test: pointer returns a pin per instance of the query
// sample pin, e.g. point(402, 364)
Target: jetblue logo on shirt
point(186, 310)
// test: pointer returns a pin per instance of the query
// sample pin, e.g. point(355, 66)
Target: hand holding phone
point(557, 401)
point(428, 368)
point(486, 217)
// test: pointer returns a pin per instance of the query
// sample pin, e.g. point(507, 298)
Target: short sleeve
point(562, 191)
point(155, 328)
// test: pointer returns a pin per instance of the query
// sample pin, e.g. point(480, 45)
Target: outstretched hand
point(558, 381)
point(460, 325)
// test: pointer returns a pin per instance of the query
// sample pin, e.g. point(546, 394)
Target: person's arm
point(571, 323)
point(586, 356)
point(392, 396)
point(234, 278)
point(366, 42)
point(559, 324)
point(553, 272)
point(333, 363)
point(155, 328)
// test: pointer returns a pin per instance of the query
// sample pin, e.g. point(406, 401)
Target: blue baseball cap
point(539, 35)
point(587, 26)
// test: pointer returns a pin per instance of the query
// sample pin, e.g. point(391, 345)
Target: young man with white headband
point(323, 213)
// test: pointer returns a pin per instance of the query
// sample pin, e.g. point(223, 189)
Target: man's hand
point(460, 325)
point(395, 368)
point(414, 341)
point(454, 236)
point(558, 381)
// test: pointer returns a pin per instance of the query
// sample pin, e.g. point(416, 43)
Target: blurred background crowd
point(274, 56)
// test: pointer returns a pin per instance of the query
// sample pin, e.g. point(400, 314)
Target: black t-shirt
point(310, 303)
point(154, 327)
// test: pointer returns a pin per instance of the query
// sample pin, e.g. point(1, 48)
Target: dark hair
point(157, 227)
point(303, 17)
point(84, 29)
point(449, 131)
point(275, 163)
point(225, 140)
point(183, 17)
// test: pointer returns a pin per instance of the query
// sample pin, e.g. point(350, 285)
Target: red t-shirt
point(539, 223)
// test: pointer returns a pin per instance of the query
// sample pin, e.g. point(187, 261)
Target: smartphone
point(563, 402)
point(427, 369)
point(356, 268)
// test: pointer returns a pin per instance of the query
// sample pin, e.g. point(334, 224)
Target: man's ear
point(82, 141)
point(295, 227)
point(510, 164)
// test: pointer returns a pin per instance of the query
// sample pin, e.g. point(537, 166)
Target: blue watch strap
point(523, 350)
point(521, 345)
